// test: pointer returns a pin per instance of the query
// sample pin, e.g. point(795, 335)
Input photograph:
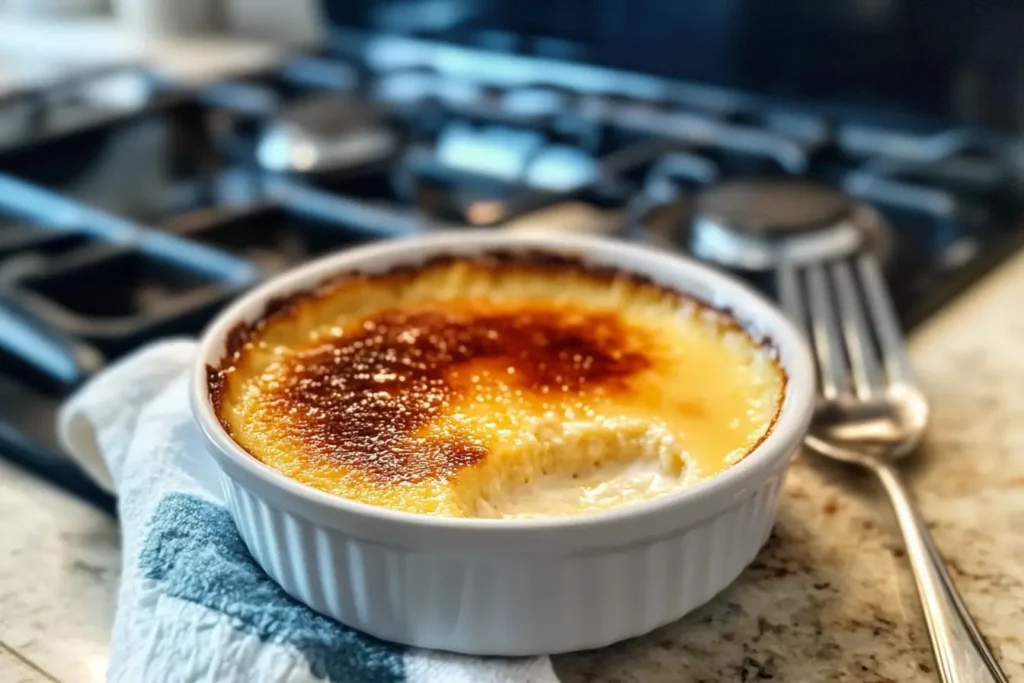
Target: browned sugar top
point(365, 398)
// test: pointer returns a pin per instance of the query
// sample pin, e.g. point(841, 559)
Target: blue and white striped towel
point(193, 605)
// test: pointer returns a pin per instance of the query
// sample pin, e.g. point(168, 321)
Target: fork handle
point(961, 652)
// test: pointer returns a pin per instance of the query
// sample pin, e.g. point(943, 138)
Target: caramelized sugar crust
point(367, 397)
point(455, 387)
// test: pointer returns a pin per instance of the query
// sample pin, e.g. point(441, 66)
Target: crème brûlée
point(506, 385)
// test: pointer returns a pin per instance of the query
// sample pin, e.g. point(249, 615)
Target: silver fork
point(870, 413)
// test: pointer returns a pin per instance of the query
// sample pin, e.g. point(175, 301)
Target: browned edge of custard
point(281, 307)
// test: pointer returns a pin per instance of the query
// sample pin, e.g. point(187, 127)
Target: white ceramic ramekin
point(512, 587)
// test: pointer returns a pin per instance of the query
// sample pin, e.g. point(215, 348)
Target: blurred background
point(157, 158)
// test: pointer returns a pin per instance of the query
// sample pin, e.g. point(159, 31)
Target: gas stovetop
point(131, 209)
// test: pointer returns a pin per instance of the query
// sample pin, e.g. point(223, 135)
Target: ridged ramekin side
point(509, 604)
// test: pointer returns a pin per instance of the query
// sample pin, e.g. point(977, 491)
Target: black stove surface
point(144, 221)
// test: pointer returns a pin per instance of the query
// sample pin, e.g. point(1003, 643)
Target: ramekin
point(512, 587)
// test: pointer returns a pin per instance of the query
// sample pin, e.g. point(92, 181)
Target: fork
point(870, 413)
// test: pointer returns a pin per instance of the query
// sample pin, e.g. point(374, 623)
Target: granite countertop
point(829, 599)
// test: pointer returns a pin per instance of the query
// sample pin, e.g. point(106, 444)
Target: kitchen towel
point(193, 605)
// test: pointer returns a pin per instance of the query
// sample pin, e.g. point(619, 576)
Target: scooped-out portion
point(501, 386)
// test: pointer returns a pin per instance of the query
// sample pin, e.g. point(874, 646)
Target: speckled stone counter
point(829, 599)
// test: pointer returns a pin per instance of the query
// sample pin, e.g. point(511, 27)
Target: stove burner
point(327, 135)
point(754, 224)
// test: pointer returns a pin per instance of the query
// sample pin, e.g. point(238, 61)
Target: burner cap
point(332, 114)
point(326, 135)
point(755, 224)
point(773, 207)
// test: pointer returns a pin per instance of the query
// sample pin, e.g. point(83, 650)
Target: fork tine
point(884, 320)
point(787, 283)
point(865, 367)
point(825, 335)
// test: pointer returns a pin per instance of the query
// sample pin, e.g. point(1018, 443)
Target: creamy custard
point(497, 387)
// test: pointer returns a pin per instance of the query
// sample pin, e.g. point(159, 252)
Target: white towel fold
point(193, 605)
